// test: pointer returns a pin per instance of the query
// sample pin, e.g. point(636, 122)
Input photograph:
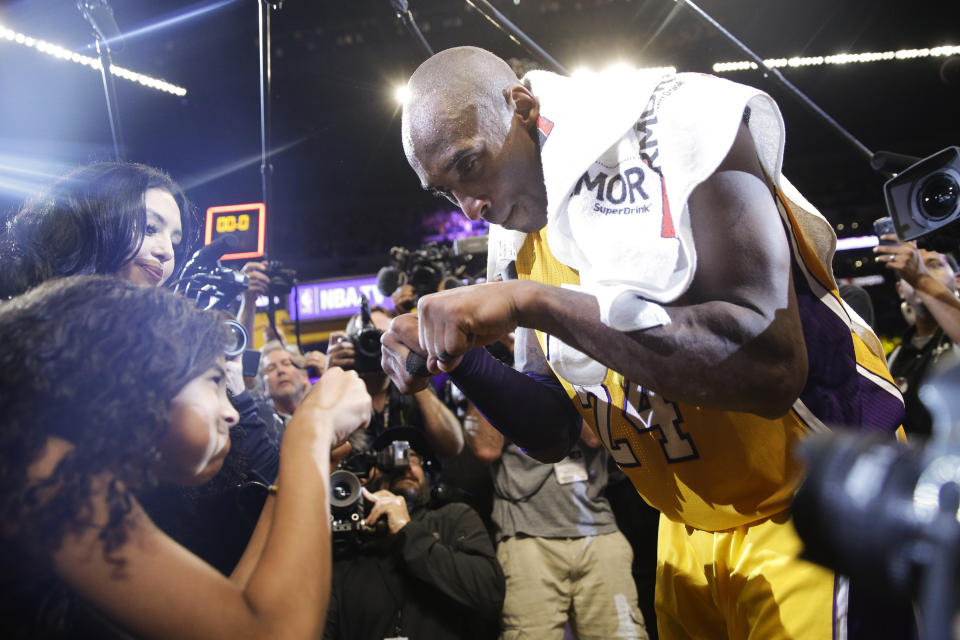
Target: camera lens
point(341, 491)
point(238, 339)
point(368, 343)
point(344, 489)
point(938, 195)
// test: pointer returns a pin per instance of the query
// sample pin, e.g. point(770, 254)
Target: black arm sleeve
point(532, 410)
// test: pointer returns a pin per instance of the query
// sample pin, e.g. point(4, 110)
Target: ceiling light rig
point(841, 58)
point(56, 51)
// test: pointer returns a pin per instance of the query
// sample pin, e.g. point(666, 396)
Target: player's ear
point(524, 105)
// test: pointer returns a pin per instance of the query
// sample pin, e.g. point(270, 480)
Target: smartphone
point(883, 226)
point(251, 363)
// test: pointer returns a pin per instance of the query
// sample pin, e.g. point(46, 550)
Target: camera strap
point(386, 568)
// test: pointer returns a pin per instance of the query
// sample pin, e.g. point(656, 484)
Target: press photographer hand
point(903, 258)
point(258, 281)
point(389, 504)
point(340, 352)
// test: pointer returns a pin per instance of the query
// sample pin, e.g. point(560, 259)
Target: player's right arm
point(735, 341)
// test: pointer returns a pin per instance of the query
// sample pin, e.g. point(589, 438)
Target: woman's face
point(153, 264)
point(194, 447)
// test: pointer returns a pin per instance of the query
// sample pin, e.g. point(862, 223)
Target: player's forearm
point(539, 418)
point(717, 354)
point(440, 423)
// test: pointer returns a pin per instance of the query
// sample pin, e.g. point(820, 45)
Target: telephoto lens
point(938, 196)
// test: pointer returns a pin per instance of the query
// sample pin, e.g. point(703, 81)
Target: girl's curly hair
point(92, 220)
point(96, 361)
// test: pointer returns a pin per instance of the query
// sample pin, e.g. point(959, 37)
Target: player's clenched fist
point(454, 321)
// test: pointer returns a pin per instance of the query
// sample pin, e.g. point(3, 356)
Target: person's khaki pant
point(584, 580)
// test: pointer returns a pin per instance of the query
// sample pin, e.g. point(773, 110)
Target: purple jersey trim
point(836, 392)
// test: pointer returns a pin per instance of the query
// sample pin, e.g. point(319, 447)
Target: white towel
point(607, 180)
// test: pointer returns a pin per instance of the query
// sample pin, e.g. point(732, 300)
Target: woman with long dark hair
point(133, 222)
point(109, 387)
point(112, 218)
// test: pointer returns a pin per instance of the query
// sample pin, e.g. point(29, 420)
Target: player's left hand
point(903, 258)
point(387, 504)
point(454, 321)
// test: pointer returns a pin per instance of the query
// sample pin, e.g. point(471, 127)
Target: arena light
point(618, 68)
point(857, 242)
point(841, 58)
point(401, 93)
point(62, 53)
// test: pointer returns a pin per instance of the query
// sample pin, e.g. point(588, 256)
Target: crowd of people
point(150, 488)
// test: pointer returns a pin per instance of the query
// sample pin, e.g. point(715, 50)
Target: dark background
point(343, 193)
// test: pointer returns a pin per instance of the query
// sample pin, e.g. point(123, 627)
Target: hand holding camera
point(903, 258)
point(259, 281)
point(340, 352)
point(388, 505)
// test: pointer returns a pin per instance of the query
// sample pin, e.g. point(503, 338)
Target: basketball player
point(672, 292)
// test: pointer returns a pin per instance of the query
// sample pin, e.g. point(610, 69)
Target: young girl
point(109, 387)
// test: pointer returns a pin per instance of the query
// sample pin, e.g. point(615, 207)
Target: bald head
point(453, 92)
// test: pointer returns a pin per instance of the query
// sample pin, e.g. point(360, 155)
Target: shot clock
point(246, 222)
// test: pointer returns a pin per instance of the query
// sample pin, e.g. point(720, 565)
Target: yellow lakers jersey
point(712, 469)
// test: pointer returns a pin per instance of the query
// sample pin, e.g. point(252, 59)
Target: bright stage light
point(618, 68)
point(400, 94)
point(62, 53)
point(841, 58)
point(857, 242)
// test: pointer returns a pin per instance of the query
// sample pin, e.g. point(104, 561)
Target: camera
point(238, 338)
point(926, 196)
point(348, 507)
point(206, 281)
point(882, 227)
point(365, 338)
point(282, 280)
point(424, 269)
point(889, 513)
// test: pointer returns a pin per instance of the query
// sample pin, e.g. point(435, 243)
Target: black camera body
point(282, 280)
point(347, 505)
point(366, 341)
point(926, 196)
point(888, 514)
point(424, 269)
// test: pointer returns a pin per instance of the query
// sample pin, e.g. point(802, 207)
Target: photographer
point(430, 573)
point(909, 264)
point(391, 408)
point(928, 287)
point(285, 379)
